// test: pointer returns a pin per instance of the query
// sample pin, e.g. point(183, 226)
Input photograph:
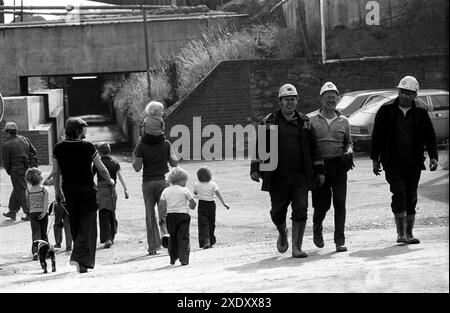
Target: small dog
point(45, 251)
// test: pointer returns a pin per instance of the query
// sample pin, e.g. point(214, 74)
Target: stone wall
point(243, 92)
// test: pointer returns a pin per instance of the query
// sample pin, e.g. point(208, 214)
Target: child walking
point(206, 189)
point(107, 196)
point(61, 220)
point(37, 196)
point(154, 125)
point(175, 202)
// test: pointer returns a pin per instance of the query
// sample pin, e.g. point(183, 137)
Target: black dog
point(45, 251)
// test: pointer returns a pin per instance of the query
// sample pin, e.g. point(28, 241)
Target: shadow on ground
point(379, 254)
point(276, 261)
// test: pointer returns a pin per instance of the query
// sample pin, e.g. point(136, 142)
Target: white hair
point(177, 174)
point(154, 106)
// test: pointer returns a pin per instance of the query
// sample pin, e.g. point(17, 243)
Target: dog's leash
point(54, 203)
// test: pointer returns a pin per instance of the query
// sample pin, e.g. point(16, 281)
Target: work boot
point(26, 218)
point(400, 222)
point(317, 235)
point(11, 215)
point(409, 227)
point(165, 241)
point(108, 244)
point(282, 241)
point(341, 248)
point(298, 229)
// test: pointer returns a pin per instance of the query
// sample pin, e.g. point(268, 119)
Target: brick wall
point(243, 92)
point(42, 139)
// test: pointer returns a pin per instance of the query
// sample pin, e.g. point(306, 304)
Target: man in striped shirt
point(335, 145)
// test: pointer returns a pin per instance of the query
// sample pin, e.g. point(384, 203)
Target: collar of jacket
point(335, 111)
point(274, 117)
point(394, 103)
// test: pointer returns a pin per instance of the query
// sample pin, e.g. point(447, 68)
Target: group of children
point(176, 200)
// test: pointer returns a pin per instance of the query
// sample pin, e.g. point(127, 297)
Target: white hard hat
point(409, 83)
point(287, 90)
point(327, 87)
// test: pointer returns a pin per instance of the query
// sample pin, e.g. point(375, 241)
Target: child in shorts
point(176, 201)
point(206, 189)
point(37, 195)
point(107, 196)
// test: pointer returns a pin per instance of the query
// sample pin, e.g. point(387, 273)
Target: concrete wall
point(26, 111)
point(54, 104)
point(406, 27)
point(94, 47)
point(243, 92)
point(39, 117)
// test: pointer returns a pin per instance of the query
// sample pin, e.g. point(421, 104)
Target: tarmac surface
point(245, 259)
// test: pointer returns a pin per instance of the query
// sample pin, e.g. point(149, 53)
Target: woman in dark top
point(72, 159)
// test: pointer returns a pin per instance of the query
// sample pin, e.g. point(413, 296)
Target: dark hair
point(204, 174)
point(33, 176)
point(104, 148)
point(74, 127)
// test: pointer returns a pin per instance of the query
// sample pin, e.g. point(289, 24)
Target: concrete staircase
point(103, 129)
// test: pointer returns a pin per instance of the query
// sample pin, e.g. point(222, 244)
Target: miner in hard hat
point(298, 170)
point(16, 152)
point(335, 146)
point(401, 131)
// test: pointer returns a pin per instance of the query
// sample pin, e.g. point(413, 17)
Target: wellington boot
point(282, 241)
point(409, 228)
point(400, 222)
point(318, 236)
point(298, 229)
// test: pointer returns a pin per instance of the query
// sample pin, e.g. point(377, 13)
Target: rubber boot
point(317, 235)
point(400, 222)
point(298, 229)
point(282, 241)
point(409, 228)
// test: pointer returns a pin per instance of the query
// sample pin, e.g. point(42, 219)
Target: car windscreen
point(374, 99)
point(344, 102)
point(373, 106)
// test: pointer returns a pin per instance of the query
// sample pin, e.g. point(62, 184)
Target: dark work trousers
point(334, 187)
point(81, 203)
point(178, 227)
point(62, 221)
point(18, 198)
point(403, 182)
point(288, 190)
point(108, 224)
point(38, 229)
point(206, 222)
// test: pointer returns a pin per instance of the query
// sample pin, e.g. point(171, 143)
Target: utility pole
point(146, 52)
point(2, 14)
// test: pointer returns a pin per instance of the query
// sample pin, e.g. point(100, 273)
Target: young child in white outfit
point(37, 196)
point(176, 202)
point(206, 189)
point(154, 125)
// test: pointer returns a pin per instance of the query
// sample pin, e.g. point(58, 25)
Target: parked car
point(433, 100)
point(350, 102)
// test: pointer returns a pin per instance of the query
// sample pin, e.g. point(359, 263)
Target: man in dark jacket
point(299, 168)
point(15, 156)
point(401, 130)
